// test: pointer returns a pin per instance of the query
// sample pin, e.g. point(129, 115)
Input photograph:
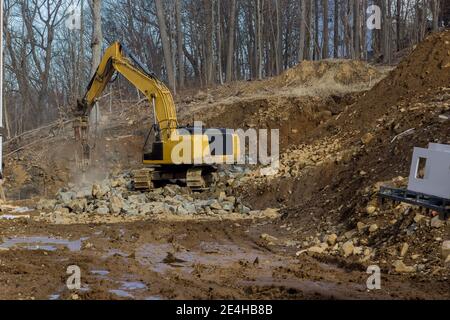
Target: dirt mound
point(428, 66)
point(426, 69)
point(309, 78)
point(343, 72)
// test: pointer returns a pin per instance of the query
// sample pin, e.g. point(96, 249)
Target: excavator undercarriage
point(196, 178)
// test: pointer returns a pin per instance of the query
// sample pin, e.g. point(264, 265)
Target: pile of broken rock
point(115, 196)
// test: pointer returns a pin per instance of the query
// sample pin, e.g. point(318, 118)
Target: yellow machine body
point(174, 146)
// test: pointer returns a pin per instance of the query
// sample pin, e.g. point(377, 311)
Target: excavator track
point(143, 179)
point(197, 179)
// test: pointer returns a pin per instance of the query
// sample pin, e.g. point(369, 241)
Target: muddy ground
point(342, 133)
point(182, 260)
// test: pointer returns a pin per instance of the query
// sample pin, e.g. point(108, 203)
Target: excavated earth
point(310, 231)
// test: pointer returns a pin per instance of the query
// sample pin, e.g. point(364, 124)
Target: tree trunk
point(97, 35)
point(302, 43)
point(325, 30)
point(231, 36)
point(316, 30)
point(336, 30)
point(399, 21)
point(219, 42)
point(435, 8)
point(259, 38)
point(180, 43)
point(357, 28)
point(279, 46)
point(165, 43)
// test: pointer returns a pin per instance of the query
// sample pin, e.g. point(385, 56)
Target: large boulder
point(115, 205)
point(99, 191)
point(348, 248)
point(190, 208)
point(78, 205)
point(66, 197)
point(445, 249)
point(45, 204)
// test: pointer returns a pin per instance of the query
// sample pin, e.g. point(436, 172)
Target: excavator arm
point(117, 59)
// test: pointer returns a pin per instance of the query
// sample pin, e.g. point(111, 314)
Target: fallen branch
point(405, 133)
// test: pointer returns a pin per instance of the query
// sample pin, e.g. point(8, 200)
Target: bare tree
point(97, 35)
point(165, 43)
point(231, 37)
point(325, 30)
point(180, 44)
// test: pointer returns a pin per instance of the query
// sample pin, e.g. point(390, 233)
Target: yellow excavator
point(188, 155)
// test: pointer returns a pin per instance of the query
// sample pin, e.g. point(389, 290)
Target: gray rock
point(78, 205)
point(243, 209)
point(137, 199)
point(437, 223)
point(445, 249)
point(160, 208)
point(182, 211)
point(102, 210)
point(146, 208)
point(190, 208)
point(99, 191)
point(45, 204)
point(228, 206)
point(170, 191)
point(115, 205)
point(85, 192)
point(131, 211)
point(215, 205)
point(231, 200)
point(66, 197)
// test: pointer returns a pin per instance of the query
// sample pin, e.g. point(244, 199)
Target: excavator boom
point(116, 59)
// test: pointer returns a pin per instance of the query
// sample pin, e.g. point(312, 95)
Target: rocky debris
point(331, 239)
point(400, 267)
point(45, 204)
point(269, 238)
point(373, 228)
point(445, 249)
point(367, 138)
point(404, 250)
point(348, 248)
point(371, 210)
point(115, 196)
point(436, 222)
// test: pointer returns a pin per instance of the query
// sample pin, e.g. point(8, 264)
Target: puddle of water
point(115, 252)
point(43, 243)
point(100, 272)
point(121, 293)
point(133, 285)
point(54, 297)
point(11, 217)
point(154, 298)
point(307, 287)
point(22, 210)
point(210, 253)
